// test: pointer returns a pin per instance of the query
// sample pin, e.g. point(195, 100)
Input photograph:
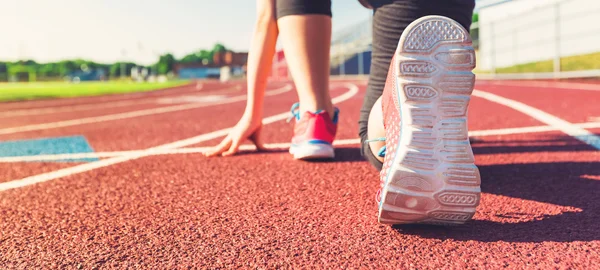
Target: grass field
point(569, 63)
point(27, 91)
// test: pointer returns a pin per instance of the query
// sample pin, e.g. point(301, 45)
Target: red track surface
point(539, 206)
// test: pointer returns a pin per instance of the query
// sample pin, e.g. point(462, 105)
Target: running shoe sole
point(310, 151)
point(431, 177)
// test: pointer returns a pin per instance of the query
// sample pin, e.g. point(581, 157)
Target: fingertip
point(211, 152)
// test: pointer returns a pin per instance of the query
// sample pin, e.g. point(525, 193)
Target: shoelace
point(295, 111)
point(382, 150)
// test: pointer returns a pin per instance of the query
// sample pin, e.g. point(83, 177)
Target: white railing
point(530, 31)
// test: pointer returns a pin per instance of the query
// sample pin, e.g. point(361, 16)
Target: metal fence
point(508, 36)
point(351, 50)
point(350, 53)
point(532, 32)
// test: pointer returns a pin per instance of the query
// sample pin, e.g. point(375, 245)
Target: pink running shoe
point(429, 175)
point(313, 134)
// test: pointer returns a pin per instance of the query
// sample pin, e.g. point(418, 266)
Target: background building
point(235, 61)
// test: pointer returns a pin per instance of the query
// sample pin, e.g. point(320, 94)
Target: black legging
point(390, 18)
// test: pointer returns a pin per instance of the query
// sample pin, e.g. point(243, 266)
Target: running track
point(153, 201)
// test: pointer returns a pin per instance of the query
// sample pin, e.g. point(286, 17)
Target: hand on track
point(247, 128)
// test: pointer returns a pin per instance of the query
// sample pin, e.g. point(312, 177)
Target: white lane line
point(101, 105)
point(544, 117)
point(76, 108)
point(125, 115)
point(523, 130)
point(44, 177)
point(594, 119)
point(557, 85)
point(68, 156)
point(474, 133)
point(269, 146)
point(277, 91)
point(191, 99)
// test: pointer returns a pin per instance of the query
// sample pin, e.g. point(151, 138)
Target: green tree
point(66, 66)
point(191, 58)
point(29, 63)
point(206, 57)
point(165, 63)
point(59, 69)
point(203, 56)
point(115, 69)
point(218, 48)
point(48, 70)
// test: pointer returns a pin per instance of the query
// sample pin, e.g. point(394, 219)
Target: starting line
point(247, 147)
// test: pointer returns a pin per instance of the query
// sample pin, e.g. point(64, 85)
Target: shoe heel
point(433, 178)
point(308, 151)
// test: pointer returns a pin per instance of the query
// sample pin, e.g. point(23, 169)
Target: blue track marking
point(48, 146)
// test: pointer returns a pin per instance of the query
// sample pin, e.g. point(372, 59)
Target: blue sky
point(101, 30)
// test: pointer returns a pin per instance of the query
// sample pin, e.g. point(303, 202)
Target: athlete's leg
point(428, 173)
point(305, 31)
point(390, 18)
point(305, 27)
